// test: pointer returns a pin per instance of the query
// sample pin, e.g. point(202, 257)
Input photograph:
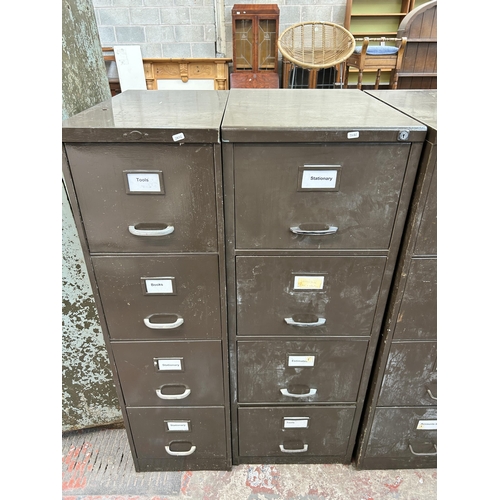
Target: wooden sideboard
point(166, 73)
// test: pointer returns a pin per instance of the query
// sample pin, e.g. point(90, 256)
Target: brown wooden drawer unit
point(317, 186)
point(144, 175)
point(404, 387)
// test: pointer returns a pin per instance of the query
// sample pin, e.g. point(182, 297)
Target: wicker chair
point(316, 45)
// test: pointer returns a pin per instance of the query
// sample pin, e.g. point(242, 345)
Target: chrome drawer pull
point(424, 454)
point(185, 394)
point(284, 450)
point(163, 326)
point(431, 395)
point(321, 230)
point(151, 232)
point(311, 392)
point(180, 453)
point(319, 322)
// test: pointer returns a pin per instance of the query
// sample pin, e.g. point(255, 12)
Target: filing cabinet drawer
point(352, 187)
point(300, 371)
point(160, 297)
point(307, 295)
point(417, 316)
point(410, 376)
point(404, 437)
point(168, 187)
point(179, 434)
point(294, 432)
point(170, 373)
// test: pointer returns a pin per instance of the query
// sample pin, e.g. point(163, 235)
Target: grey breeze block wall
point(193, 28)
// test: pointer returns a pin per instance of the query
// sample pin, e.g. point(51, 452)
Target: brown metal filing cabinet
point(399, 427)
point(144, 176)
point(317, 184)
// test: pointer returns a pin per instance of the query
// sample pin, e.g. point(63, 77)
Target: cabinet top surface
point(313, 114)
point(188, 112)
point(420, 104)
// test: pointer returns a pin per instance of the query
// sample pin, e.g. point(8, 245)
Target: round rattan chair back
point(316, 45)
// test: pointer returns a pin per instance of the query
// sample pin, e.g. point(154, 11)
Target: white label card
point(159, 286)
point(301, 360)
point(428, 425)
point(323, 179)
point(178, 426)
point(295, 423)
point(308, 282)
point(170, 364)
point(144, 182)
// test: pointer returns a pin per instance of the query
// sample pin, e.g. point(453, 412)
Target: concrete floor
point(97, 465)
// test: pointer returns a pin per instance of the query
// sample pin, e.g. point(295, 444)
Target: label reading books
point(427, 425)
point(308, 282)
point(144, 182)
point(322, 179)
point(301, 360)
point(170, 364)
point(178, 425)
point(295, 423)
point(159, 286)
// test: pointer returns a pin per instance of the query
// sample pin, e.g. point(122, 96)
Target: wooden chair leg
point(360, 79)
point(346, 76)
point(377, 79)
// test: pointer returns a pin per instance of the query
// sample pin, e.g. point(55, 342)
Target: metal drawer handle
point(151, 232)
point(163, 326)
point(319, 322)
point(431, 395)
point(180, 453)
point(315, 229)
point(185, 394)
point(311, 392)
point(424, 454)
point(284, 450)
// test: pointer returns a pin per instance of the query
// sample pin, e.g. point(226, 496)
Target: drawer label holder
point(295, 422)
point(177, 425)
point(301, 360)
point(144, 182)
point(427, 425)
point(319, 178)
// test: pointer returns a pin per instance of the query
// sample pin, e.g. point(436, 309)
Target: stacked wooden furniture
point(255, 29)
point(143, 172)
point(399, 428)
point(315, 202)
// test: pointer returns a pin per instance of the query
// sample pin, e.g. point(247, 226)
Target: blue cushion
point(374, 50)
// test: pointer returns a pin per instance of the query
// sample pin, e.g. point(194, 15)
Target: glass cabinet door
point(243, 44)
point(267, 44)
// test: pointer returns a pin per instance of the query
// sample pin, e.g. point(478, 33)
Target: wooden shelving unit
point(377, 18)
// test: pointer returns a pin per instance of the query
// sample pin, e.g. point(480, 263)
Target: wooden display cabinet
point(255, 31)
